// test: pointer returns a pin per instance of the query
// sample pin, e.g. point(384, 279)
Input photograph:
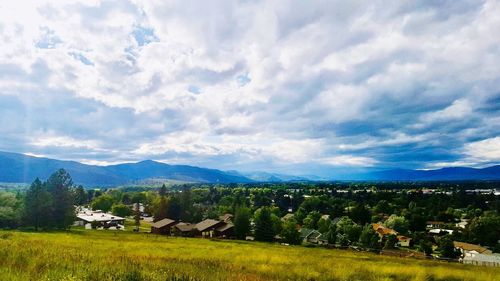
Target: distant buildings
point(208, 228)
point(98, 219)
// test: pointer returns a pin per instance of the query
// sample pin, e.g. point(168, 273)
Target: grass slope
point(106, 255)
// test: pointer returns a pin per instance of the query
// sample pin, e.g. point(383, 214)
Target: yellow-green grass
point(115, 255)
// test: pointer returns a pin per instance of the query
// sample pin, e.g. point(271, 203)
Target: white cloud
point(113, 78)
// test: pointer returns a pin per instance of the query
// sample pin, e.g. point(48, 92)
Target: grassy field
point(108, 255)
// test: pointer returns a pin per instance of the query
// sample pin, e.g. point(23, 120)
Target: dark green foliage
point(38, 206)
point(10, 210)
point(447, 249)
point(311, 220)
point(264, 228)
point(103, 203)
point(425, 246)
point(485, 230)
point(331, 234)
point(360, 214)
point(290, 234)
point(348, 228)
point(80, 196)
point(369, 238)
point(242, 223)
point(390, 242)
point(63, 212)
point(121, 210)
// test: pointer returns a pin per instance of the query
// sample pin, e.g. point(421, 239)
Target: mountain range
point(20, 168)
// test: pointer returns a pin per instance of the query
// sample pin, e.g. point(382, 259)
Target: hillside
point(19, 168)
point(106, 255)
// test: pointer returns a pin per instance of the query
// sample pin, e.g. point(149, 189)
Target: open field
point(107, 255)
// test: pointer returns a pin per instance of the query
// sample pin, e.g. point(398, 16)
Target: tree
point(37, 206)
point(186, 205)
point(425, 246)
point(398, 223)
point(121, 210)
point(10, 210)
point(345, 226)
point(391, 241)
point(163, 191)
point(311, 221)
point(264, 228)
point(137, 217)
point(331, 234)
point(447, 249)
point(485, 229)
point(369, 238)
point(242, 223)
point(103, 203)
point(290, 234)
point(360, 214)
point(63, 211)
point(324, 225)
point(80, 196)
point(161, 209)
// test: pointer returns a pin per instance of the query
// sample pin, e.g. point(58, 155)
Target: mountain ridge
point(22, 168)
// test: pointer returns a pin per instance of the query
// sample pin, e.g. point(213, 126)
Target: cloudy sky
point(298, 87)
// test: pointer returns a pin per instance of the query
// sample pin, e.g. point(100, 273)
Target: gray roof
point(184, 227)
point(225, 227)
point(163, 223)
point(206, 224)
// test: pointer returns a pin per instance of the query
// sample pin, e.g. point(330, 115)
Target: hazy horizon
point(295, 88)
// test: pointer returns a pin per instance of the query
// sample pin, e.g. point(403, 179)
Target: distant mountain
point(443, 174)
point(20, 168)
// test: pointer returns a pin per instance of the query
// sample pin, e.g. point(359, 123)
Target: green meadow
point(108, 255)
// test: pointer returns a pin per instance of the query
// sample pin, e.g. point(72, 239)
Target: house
point(183, 229)
point(403, 241)
point(471, 248)
point(435, 224)
point(287, 217)
point(226, 218)
point(383, 231)
point(462, 224)
point(86, 217)
point(207, 228)
point(225, 231)
point(440, 232)
point(163, 226)
point(310, 235)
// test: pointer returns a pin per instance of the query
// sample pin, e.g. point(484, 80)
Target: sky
point(298, 87)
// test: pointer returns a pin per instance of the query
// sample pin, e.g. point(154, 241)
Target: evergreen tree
point(242, 223)
point(63, 211)
point(186, 205)
point(37, 206)
point(264, 228)
point(80, 196)
point(161, 209)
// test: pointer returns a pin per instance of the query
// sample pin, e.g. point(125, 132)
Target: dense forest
point(342, 211)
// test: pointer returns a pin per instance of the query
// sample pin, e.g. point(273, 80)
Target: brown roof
point(184, 227)
point(382, 230)
point(163, 223)
point(403, 238)
point(208, 223)
point(225, 227)
point(471, 247)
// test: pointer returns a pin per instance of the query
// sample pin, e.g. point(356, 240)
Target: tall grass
point(107, 255)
